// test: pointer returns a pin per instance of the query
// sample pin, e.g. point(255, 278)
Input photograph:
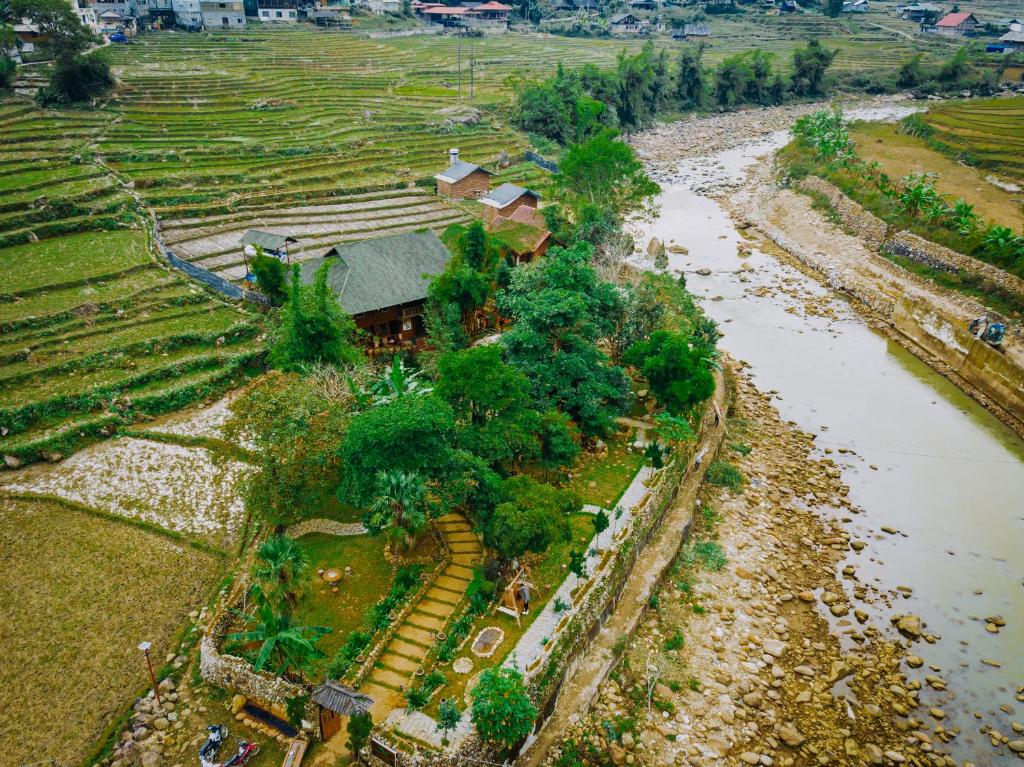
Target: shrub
point(675, 642)
point(271, 278)
point(77, 80)
point(7, 72)
point(724, 474)
point(502, 710)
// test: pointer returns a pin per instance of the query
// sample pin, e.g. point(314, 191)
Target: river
point(928, 460)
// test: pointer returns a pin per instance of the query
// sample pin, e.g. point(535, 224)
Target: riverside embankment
point(935, 480)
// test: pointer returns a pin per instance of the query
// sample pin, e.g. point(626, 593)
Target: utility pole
point(460, 62)
point(472, 66)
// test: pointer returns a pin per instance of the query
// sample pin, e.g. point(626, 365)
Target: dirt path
point(769, 662)
point(580, 690)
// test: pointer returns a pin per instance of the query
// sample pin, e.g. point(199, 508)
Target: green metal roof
point(382, 272)
point(267, 240)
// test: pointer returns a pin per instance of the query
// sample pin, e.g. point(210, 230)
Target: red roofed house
point(956, 24)
point(448, 15)
point(490, 16)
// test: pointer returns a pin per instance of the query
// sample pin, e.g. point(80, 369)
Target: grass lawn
point(548, 572)
point(900, 155)
point(601, 480)
point(60, 260)
point(370, 580)
point(80, 592)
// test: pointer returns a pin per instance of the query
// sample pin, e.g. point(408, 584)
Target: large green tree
point(691, 77)
point(604, 171)
point(810, 63)
point(399, 507)
point(530, 517)
point(502, 710)
point(678, 371)
point(561, 310)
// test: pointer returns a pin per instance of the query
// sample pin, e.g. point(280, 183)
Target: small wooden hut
point(275, 245)
point(336, 701)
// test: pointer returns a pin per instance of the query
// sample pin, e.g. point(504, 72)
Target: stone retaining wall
point(853, 216)
point(325, 527)
point(909, 245)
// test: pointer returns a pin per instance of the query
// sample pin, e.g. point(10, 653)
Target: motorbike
point(208, 752)
point(246, 751)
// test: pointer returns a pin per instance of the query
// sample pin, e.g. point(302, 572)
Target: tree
point(691, 78)
point(493, 405)
point(911, 72)
point(65, 35)
point(601, 521)
point(410, 434)
point(359, 727)
point(280, 564)
point(75, 80)
point(578, 564)
point(284, 646)
point(399, 508)
point(502, 710)
point(809, 66)
point(834, 8)
point(313, 328)
point(643, 313)
point(604, 170)
point(559, 441)
point(271, 277)
point(293, 432)
point(541, 109)
point(448, 716)
point(560, 310)
point(679, 372)
point(531, 516)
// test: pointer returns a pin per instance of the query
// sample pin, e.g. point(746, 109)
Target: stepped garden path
point(397, 665)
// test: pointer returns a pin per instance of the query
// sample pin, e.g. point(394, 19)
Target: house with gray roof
point(462, 179)
point(273, 244)
point(383, 282)
point(503, 201)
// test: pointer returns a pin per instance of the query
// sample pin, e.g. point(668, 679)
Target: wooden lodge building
point(462, 180)
point(503, 202)
point(382, 282)
point(524, 234)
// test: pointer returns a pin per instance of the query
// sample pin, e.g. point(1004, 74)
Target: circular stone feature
point(487, 641)
point(462, 666)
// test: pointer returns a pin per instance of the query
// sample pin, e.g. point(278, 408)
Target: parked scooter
point(246, 751)
point(208, 753)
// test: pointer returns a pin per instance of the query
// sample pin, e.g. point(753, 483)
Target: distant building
point(789, 6)
point(1012, 42)
point(278, 11)
point(918, 12)
point(955, 24)
point(383, 282)
point(487, 17)
point(223, 14)
point(503, 201)
point(624, 24)
point(87, 15)
point(642, 5)
point(694, 32)
point(271, 243)
point(380, 7)
point(855, 6)
point(462, 180)
point(188, 14)
point(128, 16)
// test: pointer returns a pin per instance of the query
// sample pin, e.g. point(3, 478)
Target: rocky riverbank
point(770, 660)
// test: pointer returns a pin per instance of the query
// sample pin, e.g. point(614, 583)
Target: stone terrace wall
point(852, 215)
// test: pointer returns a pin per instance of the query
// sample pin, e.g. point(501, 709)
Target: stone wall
point(853, 216)
point(910, 246)
point(236, 675)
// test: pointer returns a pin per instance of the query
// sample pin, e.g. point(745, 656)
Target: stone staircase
point(395, 669)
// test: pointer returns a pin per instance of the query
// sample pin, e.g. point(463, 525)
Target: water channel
point(927, 460)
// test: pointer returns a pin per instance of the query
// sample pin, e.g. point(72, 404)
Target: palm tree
point(399, 508)
point(285, 646)
point(280, 564)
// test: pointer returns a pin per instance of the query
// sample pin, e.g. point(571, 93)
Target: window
point(278, 14)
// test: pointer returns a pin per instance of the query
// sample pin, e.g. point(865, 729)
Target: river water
point(928, 460)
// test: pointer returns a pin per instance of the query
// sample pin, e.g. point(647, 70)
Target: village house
point(855, 6)
point(624, 24)
point(503, 201)
point(383, 282)
point(188, 14)
point(694, 33)
point(1012, 42)
point(955, 24)
point(789, 6)
point(524, 234)
point(223, 14)
point(642, 5)
point(585, 6)
point(918, 12)
point(278, 11)
point(461, 180)
point(489, 17)
point(380, 7)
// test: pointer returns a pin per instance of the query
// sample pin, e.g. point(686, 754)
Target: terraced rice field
point(94, 330)
point(987, 133)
